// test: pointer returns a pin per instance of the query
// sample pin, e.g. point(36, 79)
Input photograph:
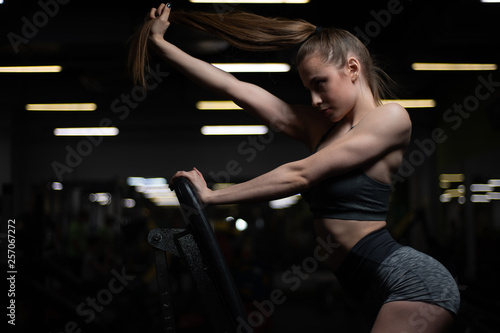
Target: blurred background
point(82, 206)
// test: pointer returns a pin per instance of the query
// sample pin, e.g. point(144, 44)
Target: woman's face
point(332, 88)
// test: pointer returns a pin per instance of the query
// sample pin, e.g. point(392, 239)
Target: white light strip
point(86, 131)
point(62, 107)
point(30, 69)
point(284, 202)
point(234, 130)
point(494, 182)
point(254, 67)
point(103, 199)
point(420, 66)
point(141, 181)
point(166, 201)
point(56, 186)
point(253, 1)
point(490, 1)
point(412, 103)
point(493, 195)
point(480, 187)
point(479, 198)
point(128, 203)
point(217, 105)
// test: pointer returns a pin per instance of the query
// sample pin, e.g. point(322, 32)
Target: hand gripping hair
point(247, 31)
point(243, 30)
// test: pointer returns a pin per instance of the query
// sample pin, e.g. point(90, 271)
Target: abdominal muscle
point(345, 233)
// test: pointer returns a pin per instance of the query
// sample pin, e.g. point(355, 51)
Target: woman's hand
point(160, 17)
point(199, 183)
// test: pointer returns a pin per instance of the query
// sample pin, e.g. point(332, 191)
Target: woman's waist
point(345, 234)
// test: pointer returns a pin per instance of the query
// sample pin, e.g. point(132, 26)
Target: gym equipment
point(197, 246)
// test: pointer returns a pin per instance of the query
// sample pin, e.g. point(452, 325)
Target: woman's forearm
point(283, 181)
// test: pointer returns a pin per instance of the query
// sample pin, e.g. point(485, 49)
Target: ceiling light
point(101, 198)
point(217, 105)
point(421, 66)
point(253, 67)
point(30, 69)
point(412, 103)
point(56, 186)
point(234, 130)
point(86, 131)
point(166, 201)
point(452, 177)
point(479, 198)
point(284, 202)
point(252, 1)
point(241, 225)
point(480, 187)
point(494, 182)
point(141, 181)
point(62, 107)
point(128, 203)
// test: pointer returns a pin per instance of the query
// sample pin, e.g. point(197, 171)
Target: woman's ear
point(353, 68)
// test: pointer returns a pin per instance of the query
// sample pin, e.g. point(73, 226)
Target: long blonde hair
point(247, 31)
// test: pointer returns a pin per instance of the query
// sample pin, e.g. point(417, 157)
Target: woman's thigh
point(412, 317)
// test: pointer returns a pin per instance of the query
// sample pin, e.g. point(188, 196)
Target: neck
point(365, 103)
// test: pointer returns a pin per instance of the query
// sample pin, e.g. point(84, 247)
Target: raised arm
point(299, 122)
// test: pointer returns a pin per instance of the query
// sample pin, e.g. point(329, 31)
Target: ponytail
point(252, 32)
point(243, 30)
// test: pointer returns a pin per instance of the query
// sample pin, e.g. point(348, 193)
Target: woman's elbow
point(300, 179)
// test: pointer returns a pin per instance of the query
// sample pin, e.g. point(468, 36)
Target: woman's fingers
point(157, 12)
point(193, 175)
point(165, 11)
point(151, 15)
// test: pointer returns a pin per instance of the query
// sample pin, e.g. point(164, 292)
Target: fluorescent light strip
point(420, 66)
point(62, 107)
point(86, 131)
point(494, 182)
point(217, 105)
point(412, 103)
point(30, 69)
point(234, 130)
point(452, 177)
point(253, 1)
point(253, 67)
point(490, 1)
point(141, 181)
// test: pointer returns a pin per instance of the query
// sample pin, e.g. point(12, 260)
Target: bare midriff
point(345, 234)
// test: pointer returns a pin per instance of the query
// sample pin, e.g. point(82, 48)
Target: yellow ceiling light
point(422, 66)
point(412, 103)
point(253, 67)
point(264, 2)
point(217, 105)
point(62, 107)
point(30, 69)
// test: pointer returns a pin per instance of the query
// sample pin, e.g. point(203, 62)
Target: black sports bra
point(351, 196)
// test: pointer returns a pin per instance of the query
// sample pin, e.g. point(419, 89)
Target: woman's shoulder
point(390, 115)
point(389, 122)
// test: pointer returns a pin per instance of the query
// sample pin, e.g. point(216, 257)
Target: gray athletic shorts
point(378, 270)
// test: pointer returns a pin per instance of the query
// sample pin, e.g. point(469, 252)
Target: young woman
point(356, 145)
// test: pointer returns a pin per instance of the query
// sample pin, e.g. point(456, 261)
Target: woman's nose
point(315, 99)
